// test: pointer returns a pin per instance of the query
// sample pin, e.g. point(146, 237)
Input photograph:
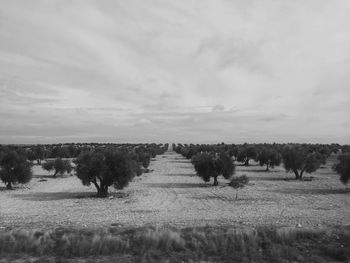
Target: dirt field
point(172, 195)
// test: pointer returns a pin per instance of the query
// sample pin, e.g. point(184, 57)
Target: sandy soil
point(173, 195)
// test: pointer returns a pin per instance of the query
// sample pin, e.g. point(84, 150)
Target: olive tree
point(343, 167)
point(245, 154)
point(104, 168)
point(211, 165)
point(59, 166)
point(14, 168)
point(299, 159)
point(270, 158)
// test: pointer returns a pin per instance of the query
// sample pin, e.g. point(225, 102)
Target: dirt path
point(173, 195)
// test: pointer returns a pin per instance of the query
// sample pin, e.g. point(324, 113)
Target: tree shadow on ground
point(190, 166)
point(187, 174)
point(177, 185)
point(54, 196)
point(269, 178)
point(50, 176)
point(316, 191)
point(232, 198)
point(179, 161)
point(258, 171)
point(14, 188)
point(243, 165)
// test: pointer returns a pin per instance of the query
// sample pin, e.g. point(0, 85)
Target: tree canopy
point(14, 168)
point(209, 165)
point(343, 167)
point(270, 158)
point(299, 159)
point(59, 165)
point(104, 168)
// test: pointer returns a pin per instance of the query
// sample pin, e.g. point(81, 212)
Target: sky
point(194, 71)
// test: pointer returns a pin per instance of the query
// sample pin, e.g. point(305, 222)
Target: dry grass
point(262, 244)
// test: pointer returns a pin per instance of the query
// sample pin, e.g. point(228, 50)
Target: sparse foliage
point(238, 183)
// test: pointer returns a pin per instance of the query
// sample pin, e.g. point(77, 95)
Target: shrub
point(239, 182)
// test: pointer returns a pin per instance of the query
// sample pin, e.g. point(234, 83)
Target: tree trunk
point(103, 192)
point(236, 194)
point(216, 181)
point(267, 167)
point(246, 163)
point(297, 176)
point(9, 186)
point(301, 174)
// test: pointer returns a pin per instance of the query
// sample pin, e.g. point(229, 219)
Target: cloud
point(194, 70)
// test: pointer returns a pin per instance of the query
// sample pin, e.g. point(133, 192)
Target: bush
point(239, 182)
point(14, 168)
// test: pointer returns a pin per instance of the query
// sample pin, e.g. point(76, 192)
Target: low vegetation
point(238, 183)
point(262, 244)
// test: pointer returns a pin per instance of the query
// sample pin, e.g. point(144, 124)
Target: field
point(171, 196)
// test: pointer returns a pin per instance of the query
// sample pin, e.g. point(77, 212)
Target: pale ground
point(173, 195)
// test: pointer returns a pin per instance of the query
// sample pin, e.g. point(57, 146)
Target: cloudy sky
point(174, 71)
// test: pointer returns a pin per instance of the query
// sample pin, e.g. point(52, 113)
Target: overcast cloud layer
point(175, 71)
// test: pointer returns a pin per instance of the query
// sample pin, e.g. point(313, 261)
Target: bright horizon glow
point(195, 71)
